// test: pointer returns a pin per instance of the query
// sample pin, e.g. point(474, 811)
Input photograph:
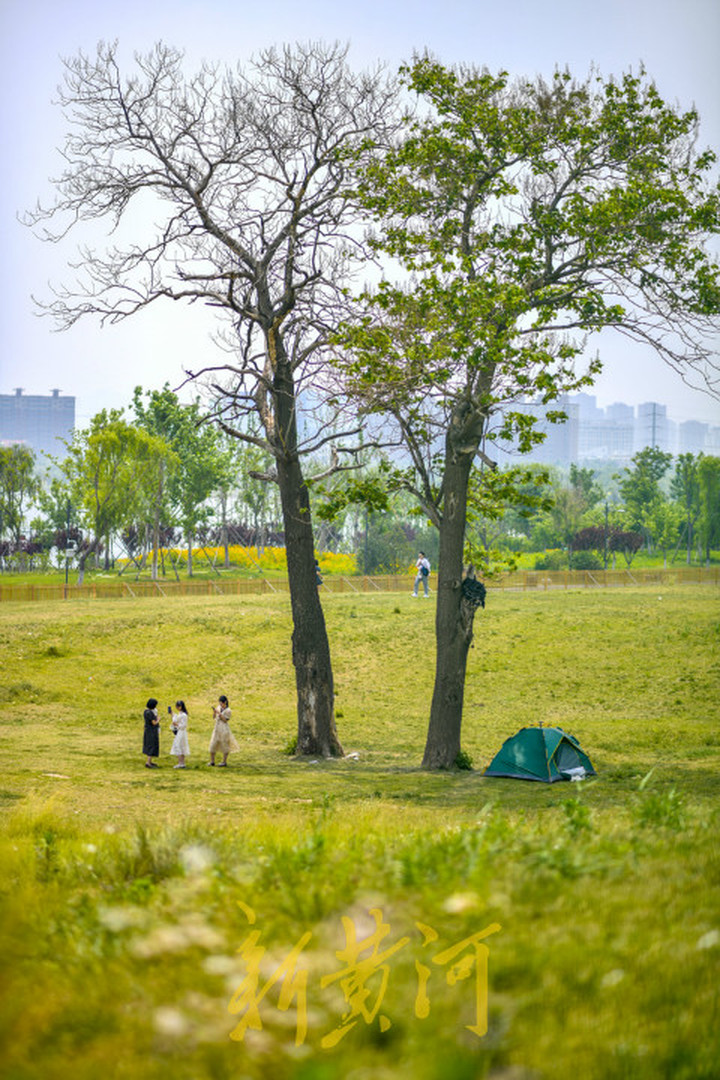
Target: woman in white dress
point(180, 746)
point(222, 740)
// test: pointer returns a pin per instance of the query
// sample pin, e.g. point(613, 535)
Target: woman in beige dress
point(222, 740)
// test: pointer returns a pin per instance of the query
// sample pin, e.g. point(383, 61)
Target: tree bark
point(317, 734)
point(453, 620)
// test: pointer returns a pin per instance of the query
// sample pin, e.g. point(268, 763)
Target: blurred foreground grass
point(127, 894)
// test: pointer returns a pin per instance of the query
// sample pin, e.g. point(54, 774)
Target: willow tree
point(245, 174)
point(525, 217)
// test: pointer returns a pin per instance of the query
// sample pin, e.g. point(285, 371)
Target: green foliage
point(550, 560)
point(585, 560)
point(369, 491)
point(685, 490)
point(200, 464)
point(491, 494)
point(662, 809)
point(640, 486)
point(709, 484)
point(18, 486)
point(463, 761)
point(583, 480)
point(578, 819)
point(112, 471)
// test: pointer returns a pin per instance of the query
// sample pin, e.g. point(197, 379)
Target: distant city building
point(38, 421)
point(621, 412)
point(561, 440)
point(692, 437)
point(652, 427)
point(616, 433)
point(712, 442)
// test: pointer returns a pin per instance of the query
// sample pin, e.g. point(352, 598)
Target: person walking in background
point(151, 735)
point(180, 746)
point(423, 573)
point(222, 740)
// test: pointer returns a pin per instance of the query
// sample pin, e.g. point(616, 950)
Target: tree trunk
point(156, 524)
point(453, 621)
point(190, 542)
point(224, 530)
point(316, 733)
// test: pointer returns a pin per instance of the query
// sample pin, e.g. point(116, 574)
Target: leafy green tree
point(641, 492)
point(385, 545)
point(521, 520)
point(257, 499)
point(110, 467)
point(685, 490)
point(228, 470)
point(201, 465)
point(55, 503)
point(709, 523)
point(584, 482)
point(19, 484)
point(525, 216)
point(666, 524)
point(491, 493)
point(58, 523)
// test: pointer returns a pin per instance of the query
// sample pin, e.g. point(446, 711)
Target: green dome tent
point(540, 753)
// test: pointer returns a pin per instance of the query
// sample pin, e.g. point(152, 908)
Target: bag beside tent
point(546, 754)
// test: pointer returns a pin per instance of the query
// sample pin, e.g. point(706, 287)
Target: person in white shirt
point(423, 573)
point(180, 746)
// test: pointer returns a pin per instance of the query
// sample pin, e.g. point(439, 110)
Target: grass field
point(296, 919)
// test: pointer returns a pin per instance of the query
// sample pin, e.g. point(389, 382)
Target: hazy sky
point(677, 41)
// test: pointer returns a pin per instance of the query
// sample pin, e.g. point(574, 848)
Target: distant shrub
point(291, 747)
point(463, 761)
point(586, 560)
point(553, 559)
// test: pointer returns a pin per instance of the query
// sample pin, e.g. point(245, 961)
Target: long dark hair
point(152, 703)
point(181, 706)
point(223, 699)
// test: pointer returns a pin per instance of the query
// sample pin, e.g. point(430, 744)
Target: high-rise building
point(38, 421)
point(653, 427)
point(615, 433)
point(692, 436)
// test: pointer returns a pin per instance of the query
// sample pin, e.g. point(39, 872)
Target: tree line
point(583, 519)
point(505, 221)
point(134, 485)
point(588, 518)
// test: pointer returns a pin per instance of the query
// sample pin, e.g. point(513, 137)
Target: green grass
point(122, 888)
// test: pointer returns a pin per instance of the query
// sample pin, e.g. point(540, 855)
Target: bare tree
point(247, 176)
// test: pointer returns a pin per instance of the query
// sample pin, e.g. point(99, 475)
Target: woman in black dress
point(151, 736)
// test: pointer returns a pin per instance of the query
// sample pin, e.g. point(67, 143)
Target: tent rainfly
point(541, 753)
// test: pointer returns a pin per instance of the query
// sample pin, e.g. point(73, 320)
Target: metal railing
point(524, 580)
